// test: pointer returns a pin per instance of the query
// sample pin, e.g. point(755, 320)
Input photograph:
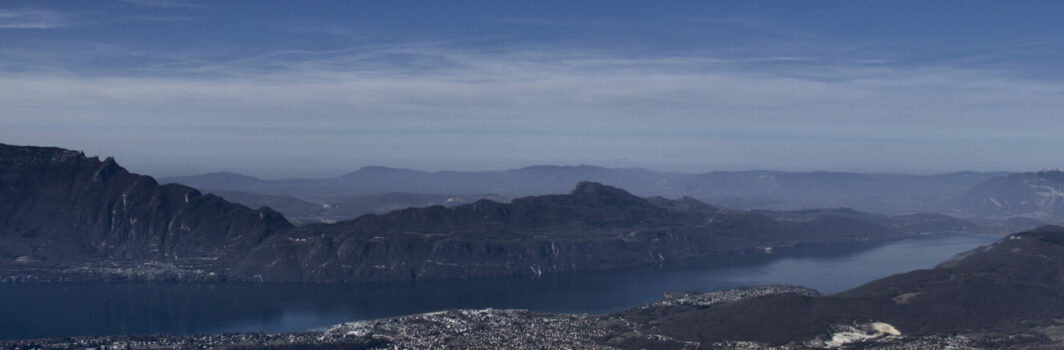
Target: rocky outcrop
point(61, 208)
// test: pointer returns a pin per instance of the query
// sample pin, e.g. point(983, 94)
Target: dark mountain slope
point(1014, 285)
point(59, 208)
point(593, 227)
point(63, 213)
point(588, 205)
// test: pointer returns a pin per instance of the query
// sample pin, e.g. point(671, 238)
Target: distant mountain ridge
point(757, 189)
point(64, 215)
point(1036, 195)
point(330, 209)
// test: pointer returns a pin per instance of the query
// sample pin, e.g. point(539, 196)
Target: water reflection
point(33, 310)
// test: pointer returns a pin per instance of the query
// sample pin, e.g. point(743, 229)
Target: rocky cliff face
point(60, 208)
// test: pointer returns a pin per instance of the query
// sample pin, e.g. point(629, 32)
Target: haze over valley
point(1017, 197)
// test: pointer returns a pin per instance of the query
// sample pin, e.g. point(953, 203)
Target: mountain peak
point(589, 189)
point(377, 170)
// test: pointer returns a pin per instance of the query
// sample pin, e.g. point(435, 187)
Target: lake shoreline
point(58, 309)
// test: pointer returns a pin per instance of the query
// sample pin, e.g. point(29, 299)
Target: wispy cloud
point(535, 101)
point(32, 19)
point(151, 18)
point(556, 22)
point(319, 27)
point(523, 85)
point(162, 3)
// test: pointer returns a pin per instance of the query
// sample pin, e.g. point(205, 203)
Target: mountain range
point(1036, 195)
point(330, 209)
point(1015, 200)
point(594, 226)
point(1012, 200)
point(883, 193)
point(67, 216)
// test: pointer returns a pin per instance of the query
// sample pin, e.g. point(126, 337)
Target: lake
point(35, 310)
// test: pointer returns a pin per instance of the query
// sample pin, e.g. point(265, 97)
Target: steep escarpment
point(59, 208)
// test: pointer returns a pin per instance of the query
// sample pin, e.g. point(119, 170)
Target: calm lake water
point(34, 310)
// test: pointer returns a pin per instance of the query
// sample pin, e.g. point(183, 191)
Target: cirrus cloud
point(29, 18)
point(401, 102)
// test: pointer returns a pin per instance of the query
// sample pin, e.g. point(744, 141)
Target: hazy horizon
point(265, 167)
point(155, 168)
point(275, 89)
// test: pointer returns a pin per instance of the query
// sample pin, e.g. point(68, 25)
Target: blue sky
point(323, 87)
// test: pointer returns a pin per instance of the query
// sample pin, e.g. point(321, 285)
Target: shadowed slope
point(1013, 285)
point(58, 207)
